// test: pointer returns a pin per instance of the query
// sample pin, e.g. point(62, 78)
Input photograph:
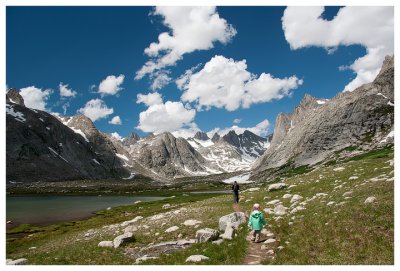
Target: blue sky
point(82, 46)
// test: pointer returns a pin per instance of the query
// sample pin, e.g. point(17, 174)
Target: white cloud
point(35, 98)
point(115, 120)
point(160, 79)
point(190, 29)
point(111, 85)
point(65, 107)
point(188, 131)
point(371, 27)
point(226, 83)
point(117, 136)
point(168, 117)
point(149, 99)
point(260, 129)
point(96, 109)
point(65, 91)
point(237, 121)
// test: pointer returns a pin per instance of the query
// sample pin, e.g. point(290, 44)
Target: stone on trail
point(270, 252)
point(106, 244)
point(235, 219)
point(171, 229)
point(122, 239)
point(276, 186)
point(205, 235)
point(370, 200)
point(296, 198)
point(196, 258)
point(191, 222)
point(270, 241)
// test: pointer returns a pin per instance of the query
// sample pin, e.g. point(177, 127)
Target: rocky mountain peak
point(14, 97)
point(215, 138)
point(201, 136)
point(131, 139)
point(232, 138)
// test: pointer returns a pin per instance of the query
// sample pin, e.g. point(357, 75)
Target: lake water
point(45, 210)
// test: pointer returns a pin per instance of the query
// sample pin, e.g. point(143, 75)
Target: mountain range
point(44, 147)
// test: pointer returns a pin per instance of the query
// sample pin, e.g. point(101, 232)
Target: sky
point(185, 69)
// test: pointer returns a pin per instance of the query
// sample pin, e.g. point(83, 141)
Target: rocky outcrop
point(14, 97)
point(215, 138)
point(205, 235)
point(131, 139)
point(317, 128)
point(233, 219)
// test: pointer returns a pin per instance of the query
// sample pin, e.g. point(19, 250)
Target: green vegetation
point(334, 227)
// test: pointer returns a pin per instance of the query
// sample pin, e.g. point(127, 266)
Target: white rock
point(330, 203)
point(157, 217)
point(339, 169)
point(172, 229)
point(218, 242)
point(191, 222)
point(370, 200)
point(347, 194)
point(286, 196)
point(166, 206)
point(353, 178)
point(270, 241)
point(280, 210)
point(106, 244)
point(31, 248)
point(296, 198)
point(253, 189)
point(121, 239)
point(235, 219)
point(196, 258)
point(20, 261)
point(131, 228)
point(269, 211)
point(276, 186)
point(206, 234)
point(229, 232)
point(273, 202)
point(291, 186)
point(298, 208)
point(126, 223)
point(138, 201)
point(321, 195)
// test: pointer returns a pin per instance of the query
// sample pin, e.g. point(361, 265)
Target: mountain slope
point(40, 148)
point(317, 129)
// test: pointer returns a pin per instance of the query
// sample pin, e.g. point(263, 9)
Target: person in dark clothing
point(235, 190)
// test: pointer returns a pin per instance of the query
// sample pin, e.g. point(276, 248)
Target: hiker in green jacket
point(256, 222)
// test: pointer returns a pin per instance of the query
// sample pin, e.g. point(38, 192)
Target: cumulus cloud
point(188, 131)
point(162, 117)
point(190, 29)
point(371, 27)
point(260, 129)
point(65, 91)
point(115, 120)
point(160, 79)
point(111, 85)
point(226, 83)
point(149, 99)
point(96, 109)
point(35, 98)
point(117, 136)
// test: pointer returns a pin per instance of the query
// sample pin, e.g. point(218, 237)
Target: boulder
point(229, 232)
point(280, 210)
point(205, 235)
point(286, 196)
point(131, 228)
point(273, 202)
point(122, 239)
point(269, 211)
point(276, 186)
point(106, 244)
point(126, 223)
point(370, 200)
point(196, 258)
point(235, 219)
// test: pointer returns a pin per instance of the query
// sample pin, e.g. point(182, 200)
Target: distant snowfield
point(240, 179)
